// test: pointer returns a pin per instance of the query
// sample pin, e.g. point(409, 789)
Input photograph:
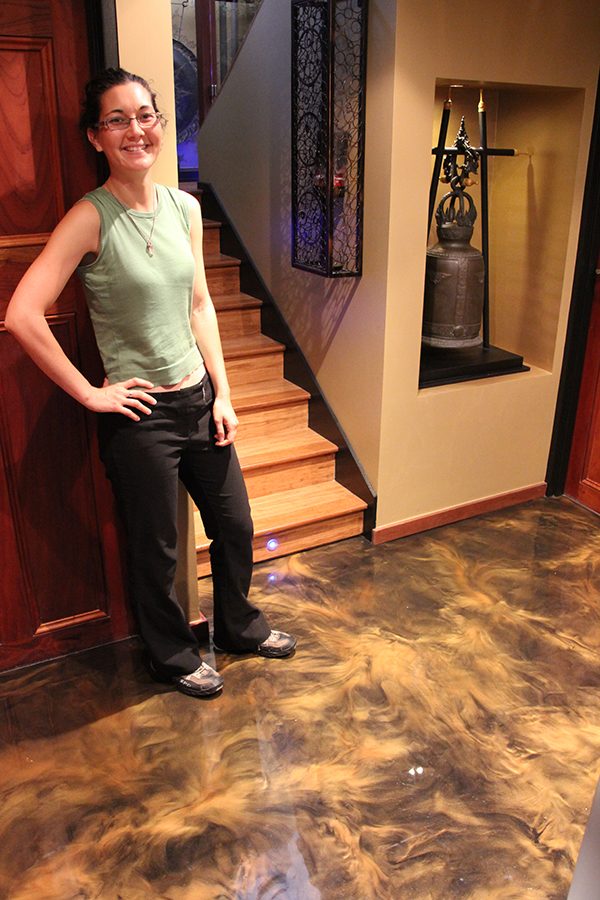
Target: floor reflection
point(436, 735)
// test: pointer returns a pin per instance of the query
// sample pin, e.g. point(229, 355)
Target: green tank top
point(140, 305)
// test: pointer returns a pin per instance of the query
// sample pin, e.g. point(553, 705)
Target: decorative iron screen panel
point(328, 134)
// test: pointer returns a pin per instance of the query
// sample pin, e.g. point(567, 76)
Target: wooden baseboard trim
point(457, 513)
point(200, 628)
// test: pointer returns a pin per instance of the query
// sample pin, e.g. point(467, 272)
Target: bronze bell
point(454, 275)
point(453, 289)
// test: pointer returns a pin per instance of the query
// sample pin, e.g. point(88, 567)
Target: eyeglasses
point(145, 120)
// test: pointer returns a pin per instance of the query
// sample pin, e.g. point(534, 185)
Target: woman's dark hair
point(98, 86)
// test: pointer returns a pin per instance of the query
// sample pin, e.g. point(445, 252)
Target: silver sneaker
point(278, 644)
point(201, 683)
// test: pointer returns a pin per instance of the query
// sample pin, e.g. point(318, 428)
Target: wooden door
point(61, 577)
point(206, 56)
point(583, 478)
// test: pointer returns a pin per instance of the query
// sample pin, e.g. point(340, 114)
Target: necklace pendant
point(149, 248)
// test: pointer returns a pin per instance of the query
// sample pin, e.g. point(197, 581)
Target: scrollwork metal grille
point(329, 40)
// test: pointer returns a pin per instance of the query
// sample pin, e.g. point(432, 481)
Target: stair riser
point(265, 422)
point(294, 539)
point(249, 369)
point(239, 322)
point(211, 241)
point(223, 280)
point(286, 476)
point(291, 491)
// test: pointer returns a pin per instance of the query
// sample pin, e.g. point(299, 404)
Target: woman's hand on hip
point(226, 422)
point(123, 397)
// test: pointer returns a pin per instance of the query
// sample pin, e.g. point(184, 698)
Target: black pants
point(143, 461)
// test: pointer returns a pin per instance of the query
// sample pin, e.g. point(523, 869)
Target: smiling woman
point(165, 403)
point(110, 111)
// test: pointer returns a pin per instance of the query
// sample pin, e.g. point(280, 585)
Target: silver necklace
point(146, 238)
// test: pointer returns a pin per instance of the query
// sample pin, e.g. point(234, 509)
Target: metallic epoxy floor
point(436, 735)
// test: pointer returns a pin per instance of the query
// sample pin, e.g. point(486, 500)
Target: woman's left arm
point(206, 333)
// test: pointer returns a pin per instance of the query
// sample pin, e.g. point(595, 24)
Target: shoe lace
point(273, 638)
point(203, 669)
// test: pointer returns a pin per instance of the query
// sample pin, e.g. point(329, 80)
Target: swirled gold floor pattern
point(435, 736)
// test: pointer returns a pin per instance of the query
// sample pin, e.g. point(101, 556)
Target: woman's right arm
point(75, 236)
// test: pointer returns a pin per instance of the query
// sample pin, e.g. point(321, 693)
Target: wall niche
point(530, 199)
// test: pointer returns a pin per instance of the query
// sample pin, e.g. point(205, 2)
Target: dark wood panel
point(69, 301)
point(583, 477)
point(592, 466)
point(51, 485)
point(30, 172)
point(14, 261)
point(26, 17)
point(15, 616)
point(206, 42)
point(61, 569)
point(71, 68)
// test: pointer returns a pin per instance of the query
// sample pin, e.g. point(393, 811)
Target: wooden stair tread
point(220, 260)
point(289, 468)
point(261, 394)
point(290, 446)
point(223, 302)
point(295, 508)
point(300, 506)
point(250, 345)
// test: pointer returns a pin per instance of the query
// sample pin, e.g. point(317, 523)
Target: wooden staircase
point(289, 468)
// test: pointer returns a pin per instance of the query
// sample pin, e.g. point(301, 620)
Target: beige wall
point(532, 202)
point(145, 48)
point(424, 450)
point(244, 151)
point(450, 445)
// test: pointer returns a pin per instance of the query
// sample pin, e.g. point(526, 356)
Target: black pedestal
point(448, 366)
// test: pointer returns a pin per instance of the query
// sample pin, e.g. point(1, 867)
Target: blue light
point(272, 544)
point(272, 578)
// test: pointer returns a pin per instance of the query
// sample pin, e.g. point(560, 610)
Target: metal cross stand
point(483, 152)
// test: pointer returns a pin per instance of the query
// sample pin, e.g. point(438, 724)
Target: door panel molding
point(30, 170)
point(62, 573)
point(50, 482)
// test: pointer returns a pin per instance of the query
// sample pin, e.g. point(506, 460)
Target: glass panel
point(225, 23)
point(185, 67)
point(232, 21)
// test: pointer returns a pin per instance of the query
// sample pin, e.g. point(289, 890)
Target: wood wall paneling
point(583, 477)
point(52, 504)
point(27, 17)
point(62, 579)
point(30, 173)
point(17, 617)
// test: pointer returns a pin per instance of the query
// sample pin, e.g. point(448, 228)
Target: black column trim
point(579, 319)
point(103, 40)
point(103, 51)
